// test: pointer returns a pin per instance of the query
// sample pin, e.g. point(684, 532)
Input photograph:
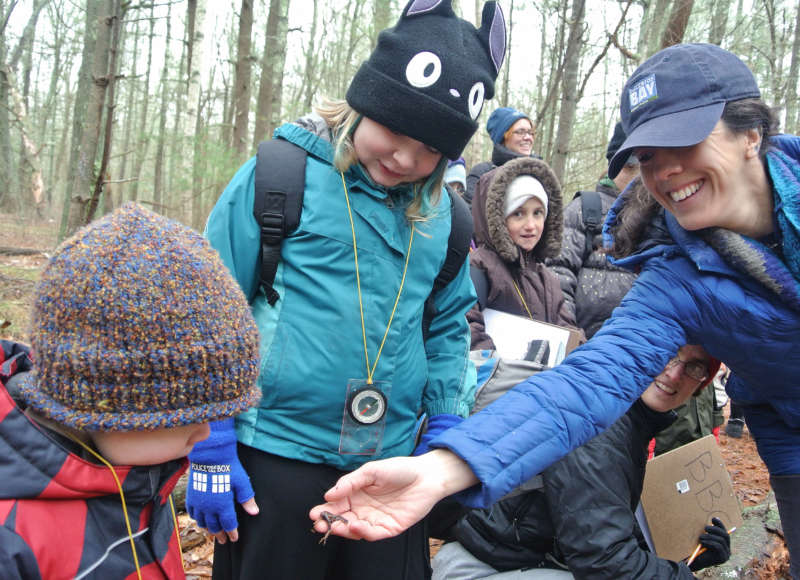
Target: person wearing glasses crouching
point(579, 520)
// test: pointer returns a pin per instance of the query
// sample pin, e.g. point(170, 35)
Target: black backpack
point(279, 185)
point(592, 210)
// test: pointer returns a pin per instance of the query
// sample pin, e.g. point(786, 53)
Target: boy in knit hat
point(140, 339)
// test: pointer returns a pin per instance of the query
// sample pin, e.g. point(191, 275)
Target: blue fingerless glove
point(437, 425)
point(216, 480)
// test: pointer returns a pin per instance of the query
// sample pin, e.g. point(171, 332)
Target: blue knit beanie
point(500, 120)
point(456, 171)
point(137, 324)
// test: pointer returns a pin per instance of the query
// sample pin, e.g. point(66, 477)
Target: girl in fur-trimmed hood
point(518, 220)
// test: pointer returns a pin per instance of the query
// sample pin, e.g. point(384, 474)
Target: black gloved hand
point(717, 544)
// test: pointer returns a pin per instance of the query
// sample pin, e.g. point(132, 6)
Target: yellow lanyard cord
point(371, 371)
point(177, 533)
point(521, 299)
point(122, 498)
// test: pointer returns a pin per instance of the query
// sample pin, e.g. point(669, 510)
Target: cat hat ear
point(430, 74)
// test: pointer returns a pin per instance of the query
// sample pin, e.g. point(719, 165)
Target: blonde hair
point(343, 120)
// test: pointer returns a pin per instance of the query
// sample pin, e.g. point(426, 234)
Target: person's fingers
point(344, 487)
point(222, 536)
point(251, 507)
point(333, 507)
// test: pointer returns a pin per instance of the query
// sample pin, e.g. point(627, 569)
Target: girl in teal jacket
point(345, 373)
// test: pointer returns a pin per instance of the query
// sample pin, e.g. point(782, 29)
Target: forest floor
point(19, 272)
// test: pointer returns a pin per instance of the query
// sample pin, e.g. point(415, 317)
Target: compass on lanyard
point(367, 405)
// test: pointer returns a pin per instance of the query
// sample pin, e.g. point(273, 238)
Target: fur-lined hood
point(487, 210)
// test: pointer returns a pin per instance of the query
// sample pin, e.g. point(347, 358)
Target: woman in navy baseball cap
point(713, 228)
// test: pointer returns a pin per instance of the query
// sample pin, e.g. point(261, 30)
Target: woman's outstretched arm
point(381, 499)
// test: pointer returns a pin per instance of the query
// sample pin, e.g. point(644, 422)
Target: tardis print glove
point(217, 480)
point(437, 425)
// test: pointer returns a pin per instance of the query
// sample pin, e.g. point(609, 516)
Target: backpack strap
point(592, 211)
point(280, 179)
point(458, 244)
point(481, 284)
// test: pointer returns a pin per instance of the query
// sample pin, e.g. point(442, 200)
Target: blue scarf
point(785, 173)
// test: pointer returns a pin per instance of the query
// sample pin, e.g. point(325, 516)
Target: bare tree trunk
point(5, 126)
point(80, 186)
point(676, 26)
point(343, 73)
point(310, 68)
point(569, 103)
point(775, 63)
point(52, 100)
point(196, 35)
point(506, 72)
point(59, 171)
point(144, 136)
point(102, 173)
point(229, 101)
point(19, 107)
point(130, 119)
point(24, 86)
point(243, 79)
point(653, 31)
point(791, 125)
point(719, 21)
point(558, 55)
point(175, 155)
point(272, 61)
point(80, 112)
point(158, 171)
point(381, 19)
point(29, 152)
point(644, 26)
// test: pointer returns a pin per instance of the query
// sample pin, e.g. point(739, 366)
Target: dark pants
point(736, 412)
point(278, 543)
point(787, 494)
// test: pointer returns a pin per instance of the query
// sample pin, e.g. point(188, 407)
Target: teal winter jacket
point(311, 339)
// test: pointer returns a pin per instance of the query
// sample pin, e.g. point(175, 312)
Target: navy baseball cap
point(676, 97)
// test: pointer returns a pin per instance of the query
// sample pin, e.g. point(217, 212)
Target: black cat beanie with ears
point(429, 75)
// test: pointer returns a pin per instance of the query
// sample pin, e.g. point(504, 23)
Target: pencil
point(700, 549)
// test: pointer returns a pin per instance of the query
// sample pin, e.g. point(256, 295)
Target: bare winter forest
point(103, 101)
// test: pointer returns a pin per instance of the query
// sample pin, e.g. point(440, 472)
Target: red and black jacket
point(61, 515)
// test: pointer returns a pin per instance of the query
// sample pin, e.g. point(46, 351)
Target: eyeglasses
point(523, 132)
point(694, 369)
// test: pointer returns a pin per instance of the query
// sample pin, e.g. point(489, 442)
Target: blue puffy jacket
point(676, 300)
point(311, 340)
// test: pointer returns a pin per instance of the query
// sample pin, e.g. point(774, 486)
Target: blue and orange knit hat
point(137, 324)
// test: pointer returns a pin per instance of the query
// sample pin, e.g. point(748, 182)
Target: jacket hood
point(502, 155)
point(41, 464)
point(487, 210)
point(645, 232)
